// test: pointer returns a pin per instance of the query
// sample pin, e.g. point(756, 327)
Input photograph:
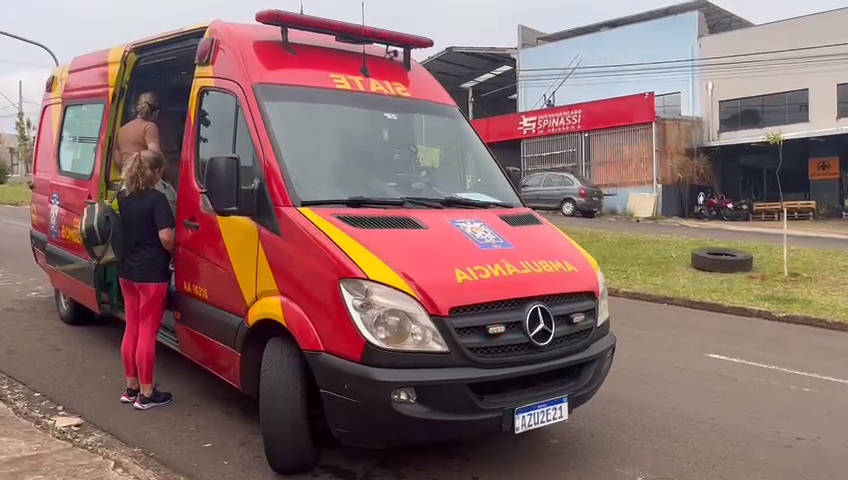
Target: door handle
point(191, 225)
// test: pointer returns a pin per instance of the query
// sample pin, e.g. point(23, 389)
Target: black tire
point(590, 214)
point(71, 312)
point(568, 208)
point(722, 260)
point(290, 446)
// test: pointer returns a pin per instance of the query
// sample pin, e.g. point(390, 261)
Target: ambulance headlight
point(390, 319)
point(603, 300)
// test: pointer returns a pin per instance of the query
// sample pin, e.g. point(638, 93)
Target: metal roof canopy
point(717, 18)
point(456, 67)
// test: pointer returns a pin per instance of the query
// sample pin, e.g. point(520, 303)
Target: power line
point(14, 115)
point(748, 68)
point(8, 100)
point(691, 67)
point(677, 80)
point(23, 64)
point(818, 67)
point(687, 68)
point(692, 60)
point(784, 64)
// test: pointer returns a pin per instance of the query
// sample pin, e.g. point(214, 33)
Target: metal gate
point(614, 157)
point(562, 153)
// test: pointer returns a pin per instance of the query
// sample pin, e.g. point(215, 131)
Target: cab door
point(215, 257)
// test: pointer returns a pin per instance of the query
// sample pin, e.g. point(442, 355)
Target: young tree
point(26, 140)
point(691, 171)
point(5, 162)
point(776, 139)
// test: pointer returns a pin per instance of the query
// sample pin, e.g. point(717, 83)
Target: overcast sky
point(73, 27)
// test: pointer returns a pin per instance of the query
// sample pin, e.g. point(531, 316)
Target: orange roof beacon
point(345, 242)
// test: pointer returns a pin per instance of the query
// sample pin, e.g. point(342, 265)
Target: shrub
point(5, 173)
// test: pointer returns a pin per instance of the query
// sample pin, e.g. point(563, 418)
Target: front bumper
point(589, 205)
point(452, 403)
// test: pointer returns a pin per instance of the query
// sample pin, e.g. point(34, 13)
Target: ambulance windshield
point(339, 145)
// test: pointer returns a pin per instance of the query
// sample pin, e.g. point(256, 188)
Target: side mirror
point(223, 185)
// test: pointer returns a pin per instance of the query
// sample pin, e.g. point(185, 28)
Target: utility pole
point(20, 118)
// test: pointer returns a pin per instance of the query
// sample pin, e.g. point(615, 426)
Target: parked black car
point(567, 192)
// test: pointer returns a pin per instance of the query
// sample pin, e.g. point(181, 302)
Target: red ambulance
point(347, 249)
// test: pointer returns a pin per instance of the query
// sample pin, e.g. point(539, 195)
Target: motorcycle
point(710, 207)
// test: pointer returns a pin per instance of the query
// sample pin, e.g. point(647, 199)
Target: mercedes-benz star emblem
point(539, 325)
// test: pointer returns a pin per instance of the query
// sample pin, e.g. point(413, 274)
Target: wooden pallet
point(804, 209)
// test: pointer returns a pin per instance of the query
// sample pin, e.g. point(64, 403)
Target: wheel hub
point(64, 302)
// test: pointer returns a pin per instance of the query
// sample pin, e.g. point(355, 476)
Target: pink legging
point(144, 304)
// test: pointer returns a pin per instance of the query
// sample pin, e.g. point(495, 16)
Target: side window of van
point(45, 149)
point(80, 136)
point(223, 131)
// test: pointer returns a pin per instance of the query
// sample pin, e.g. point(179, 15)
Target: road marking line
point(779, 369)
point(779, 384)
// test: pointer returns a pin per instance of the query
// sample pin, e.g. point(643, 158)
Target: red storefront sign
point(581, 117)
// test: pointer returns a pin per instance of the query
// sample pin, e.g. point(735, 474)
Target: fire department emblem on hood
point(481, 234)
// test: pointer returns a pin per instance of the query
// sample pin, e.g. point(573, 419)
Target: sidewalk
point(28, 453)
point(40, 440)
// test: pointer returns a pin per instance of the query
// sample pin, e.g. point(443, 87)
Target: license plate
point(541, 415)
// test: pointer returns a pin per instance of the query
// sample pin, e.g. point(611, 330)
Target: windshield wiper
point(430, 202)
point(358, 201)
point(457, 202)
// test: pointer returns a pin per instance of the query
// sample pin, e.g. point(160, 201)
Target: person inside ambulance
point(362, 170)
point(140, 134)
point(379, 147)
point(391, 160)
point(170, 123)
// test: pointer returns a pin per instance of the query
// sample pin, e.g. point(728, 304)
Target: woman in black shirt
point(148, 230)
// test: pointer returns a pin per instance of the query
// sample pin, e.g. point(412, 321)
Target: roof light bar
point(344, 31)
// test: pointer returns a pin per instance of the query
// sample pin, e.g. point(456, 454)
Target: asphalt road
point(653, 228)
point(692, 396)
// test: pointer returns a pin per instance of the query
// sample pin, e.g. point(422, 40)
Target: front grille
point(470, 325)
point(516, 303)
point(497, 351)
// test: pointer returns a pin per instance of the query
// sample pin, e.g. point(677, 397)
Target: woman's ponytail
point(140, 171)
point(146, 106)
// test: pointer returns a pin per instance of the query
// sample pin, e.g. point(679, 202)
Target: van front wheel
point(290, 446)
point(71, 312)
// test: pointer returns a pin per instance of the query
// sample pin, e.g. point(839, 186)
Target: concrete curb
point(38, 410)
point(731, 310)
point(771, 231)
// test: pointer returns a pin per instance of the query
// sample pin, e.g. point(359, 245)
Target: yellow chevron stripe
point(589, 258)
point(370, 264)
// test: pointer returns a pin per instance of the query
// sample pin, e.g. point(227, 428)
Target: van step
point(168, 332)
